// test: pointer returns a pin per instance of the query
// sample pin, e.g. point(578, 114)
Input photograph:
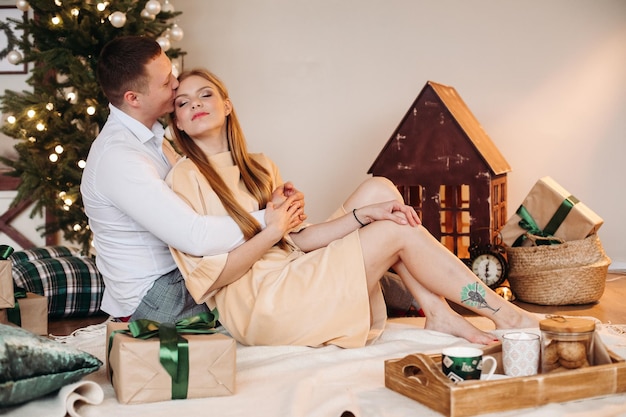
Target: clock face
point(489, 268)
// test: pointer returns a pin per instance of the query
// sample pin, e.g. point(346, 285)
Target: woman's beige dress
point(288, 297)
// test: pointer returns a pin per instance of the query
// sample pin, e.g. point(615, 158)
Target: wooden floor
point(611, 308)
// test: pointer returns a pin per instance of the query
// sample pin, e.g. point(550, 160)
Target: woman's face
point(199, 108)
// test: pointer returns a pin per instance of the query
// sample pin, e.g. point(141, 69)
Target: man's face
point(159, 97)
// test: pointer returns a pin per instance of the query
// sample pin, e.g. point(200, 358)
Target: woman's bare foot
point(515, 319)
point(456, 325)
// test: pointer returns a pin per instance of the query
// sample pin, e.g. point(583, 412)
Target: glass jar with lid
point(566, 343)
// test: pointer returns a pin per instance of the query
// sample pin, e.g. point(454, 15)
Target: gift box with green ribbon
point(549, 210)
point(7, 298)
point(150, 361)
point(28, 311)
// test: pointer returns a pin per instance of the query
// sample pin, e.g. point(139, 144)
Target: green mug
point(460, 363)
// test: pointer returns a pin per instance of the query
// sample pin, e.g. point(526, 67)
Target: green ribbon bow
point(174, 349)
point(528, 223)
point(13, 314)
point(5, 252)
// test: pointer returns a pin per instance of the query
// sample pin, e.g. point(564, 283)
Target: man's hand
point(288, 191)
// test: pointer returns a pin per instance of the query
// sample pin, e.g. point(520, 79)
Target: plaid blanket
point(72, 283)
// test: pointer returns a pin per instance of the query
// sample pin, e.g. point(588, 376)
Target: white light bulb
point(11, 119)
point(30, 113)
point(40, 127)
point(82, 164)
point(53, 157)
point(59, 149)
point(91, 110)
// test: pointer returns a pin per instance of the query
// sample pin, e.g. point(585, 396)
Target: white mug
point(520, 353)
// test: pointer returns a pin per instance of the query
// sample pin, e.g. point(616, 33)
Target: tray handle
point(419, 371)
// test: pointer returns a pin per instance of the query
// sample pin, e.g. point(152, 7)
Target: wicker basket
point(572, 272)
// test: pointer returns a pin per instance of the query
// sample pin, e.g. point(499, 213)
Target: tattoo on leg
point(474, 296)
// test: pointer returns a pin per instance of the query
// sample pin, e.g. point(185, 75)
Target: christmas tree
point(56, 122)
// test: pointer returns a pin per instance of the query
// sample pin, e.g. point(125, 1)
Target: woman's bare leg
point(437, 270)
point(439, 315)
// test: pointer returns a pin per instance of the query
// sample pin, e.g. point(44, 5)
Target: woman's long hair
point(255, 177)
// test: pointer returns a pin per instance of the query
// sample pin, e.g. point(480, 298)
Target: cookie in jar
point(566, 343)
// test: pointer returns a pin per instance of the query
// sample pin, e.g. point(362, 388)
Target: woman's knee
point(378, 189)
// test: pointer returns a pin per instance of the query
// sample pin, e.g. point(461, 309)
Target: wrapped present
point(30, 312)
point(149, 361)
point(550, 211)
point(7, 297)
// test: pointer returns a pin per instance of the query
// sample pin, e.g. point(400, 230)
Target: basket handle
point(548, 240)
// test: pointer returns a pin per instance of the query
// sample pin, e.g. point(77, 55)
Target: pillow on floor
point(32, 366)
point(72, 284)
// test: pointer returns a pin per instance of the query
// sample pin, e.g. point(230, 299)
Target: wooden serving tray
point(419, 377)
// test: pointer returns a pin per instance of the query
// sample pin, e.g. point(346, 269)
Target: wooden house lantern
point(448, 169)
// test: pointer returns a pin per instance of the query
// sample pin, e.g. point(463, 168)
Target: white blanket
point(320, 382)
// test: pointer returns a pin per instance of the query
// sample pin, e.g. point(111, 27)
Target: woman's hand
point(285, 191)
point(284, 217)
point(389, 210)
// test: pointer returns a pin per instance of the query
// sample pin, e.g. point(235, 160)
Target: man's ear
point(131, 98)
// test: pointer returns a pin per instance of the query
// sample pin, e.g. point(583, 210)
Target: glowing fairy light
point(49, 106)
point(91, 110)
point(40, 127)
point(11, 119)
point(31, 113)
point(55, 20)
point(82, 164)
point(53, 157)
point(59, 149)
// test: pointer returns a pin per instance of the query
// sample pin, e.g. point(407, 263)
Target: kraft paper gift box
point(7, 297)
point(33, 314)
point(137, 376)
point(548, 204)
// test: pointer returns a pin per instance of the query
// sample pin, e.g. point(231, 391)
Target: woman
point(311, 285)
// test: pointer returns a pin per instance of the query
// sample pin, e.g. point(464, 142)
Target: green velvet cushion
point(32, 366)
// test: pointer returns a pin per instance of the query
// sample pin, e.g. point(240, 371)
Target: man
point(133, 214)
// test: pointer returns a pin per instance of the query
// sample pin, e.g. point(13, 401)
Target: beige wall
point(321, 85)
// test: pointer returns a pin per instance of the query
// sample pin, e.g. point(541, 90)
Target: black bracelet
point(357, 219)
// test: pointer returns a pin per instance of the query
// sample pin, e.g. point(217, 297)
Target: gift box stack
point(21, 308)
point(555, 256)
point(149, 361)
